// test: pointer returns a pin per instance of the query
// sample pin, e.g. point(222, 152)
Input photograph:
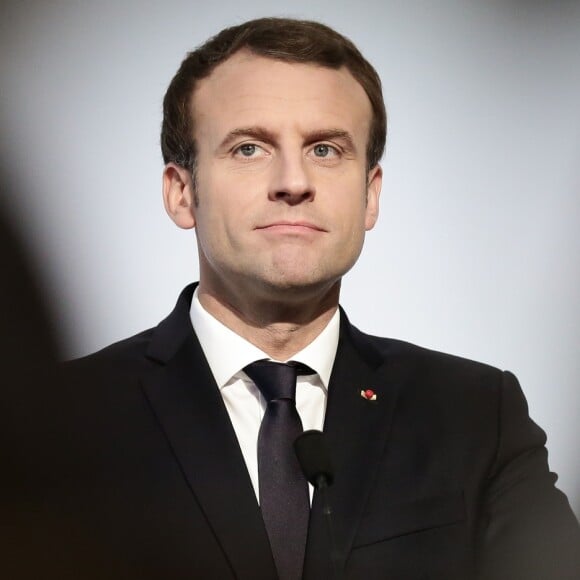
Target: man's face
point(283, 196)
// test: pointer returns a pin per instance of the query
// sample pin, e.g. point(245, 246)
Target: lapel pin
point(368, 394)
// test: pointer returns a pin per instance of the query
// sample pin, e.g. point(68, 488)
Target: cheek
point(350, 207)
point(224, 218)
point(225, 188)
point(218, 198)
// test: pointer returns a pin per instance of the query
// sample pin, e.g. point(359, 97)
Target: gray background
point(477, 248)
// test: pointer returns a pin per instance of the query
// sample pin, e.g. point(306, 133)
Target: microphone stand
point(321, 484)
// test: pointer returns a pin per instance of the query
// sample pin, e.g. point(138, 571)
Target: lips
point(291, 226)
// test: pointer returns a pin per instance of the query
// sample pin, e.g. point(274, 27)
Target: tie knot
point(275, 380)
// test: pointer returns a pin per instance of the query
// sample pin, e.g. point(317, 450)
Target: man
point(272, 135)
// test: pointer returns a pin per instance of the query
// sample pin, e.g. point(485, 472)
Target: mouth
point(285, 226)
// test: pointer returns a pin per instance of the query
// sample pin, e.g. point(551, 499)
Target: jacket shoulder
point(121, 357)
point(420, 357)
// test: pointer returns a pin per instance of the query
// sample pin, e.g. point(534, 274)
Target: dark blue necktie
point(284, 499)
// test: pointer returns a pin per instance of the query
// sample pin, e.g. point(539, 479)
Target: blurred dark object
point(28, 342)
point(29, 407)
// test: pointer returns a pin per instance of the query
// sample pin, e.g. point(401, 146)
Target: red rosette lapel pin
point(368, 394)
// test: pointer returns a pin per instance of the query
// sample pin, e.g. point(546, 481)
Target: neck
point(279, 328)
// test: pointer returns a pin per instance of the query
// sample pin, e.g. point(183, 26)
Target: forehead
point(248, 89)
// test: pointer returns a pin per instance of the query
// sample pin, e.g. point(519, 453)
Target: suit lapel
point(191, 411)
point(357, 431)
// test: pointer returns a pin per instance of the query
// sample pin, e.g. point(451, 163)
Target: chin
point(301, 283)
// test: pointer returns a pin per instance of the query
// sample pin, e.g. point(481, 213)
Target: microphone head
point(314, 458)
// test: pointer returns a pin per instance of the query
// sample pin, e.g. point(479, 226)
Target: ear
point(374, 183)
point(179, 195)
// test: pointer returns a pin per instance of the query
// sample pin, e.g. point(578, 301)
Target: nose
point(291, 182)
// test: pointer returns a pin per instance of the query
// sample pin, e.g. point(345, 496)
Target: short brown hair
point(285, 39)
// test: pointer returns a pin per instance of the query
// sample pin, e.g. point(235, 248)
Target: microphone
point(314, 458)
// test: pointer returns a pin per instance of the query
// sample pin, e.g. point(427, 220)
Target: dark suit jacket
point(443, 476)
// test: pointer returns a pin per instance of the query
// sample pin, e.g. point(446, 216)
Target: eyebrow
point(263, 134)
point(259, 133)
point(332, 134)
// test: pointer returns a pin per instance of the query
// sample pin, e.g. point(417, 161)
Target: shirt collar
point(227, 353)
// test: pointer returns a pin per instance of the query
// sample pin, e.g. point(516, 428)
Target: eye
point(247, 150)
point(324, 150)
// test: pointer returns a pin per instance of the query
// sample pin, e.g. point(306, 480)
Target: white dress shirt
point(228, 353)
